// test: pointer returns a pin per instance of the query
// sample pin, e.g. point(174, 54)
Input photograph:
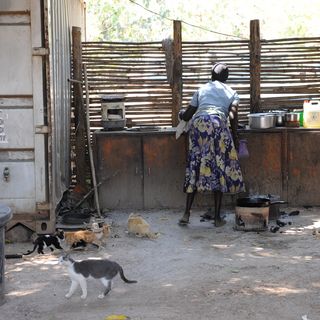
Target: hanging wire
point(187, 23)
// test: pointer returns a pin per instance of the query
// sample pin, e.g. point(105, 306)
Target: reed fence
point(157, 78)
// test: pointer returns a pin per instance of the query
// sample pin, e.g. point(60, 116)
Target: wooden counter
point(283, 161)
point(145, 169)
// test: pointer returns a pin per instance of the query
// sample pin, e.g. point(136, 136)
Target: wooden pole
point(176, 72)
point(93, 170)
point(255, 66)
point(80, 134)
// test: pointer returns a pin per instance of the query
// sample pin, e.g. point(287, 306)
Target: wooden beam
point(176, 72)
point(255, 65)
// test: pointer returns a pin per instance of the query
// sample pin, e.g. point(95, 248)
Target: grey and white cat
point(79, 271)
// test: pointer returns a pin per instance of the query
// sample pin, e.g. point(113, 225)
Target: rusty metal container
point(252, 214)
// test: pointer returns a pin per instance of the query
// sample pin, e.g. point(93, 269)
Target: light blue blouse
point(214, 97)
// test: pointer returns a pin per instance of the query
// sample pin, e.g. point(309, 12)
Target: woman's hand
point(232, 111)
point(181, 113)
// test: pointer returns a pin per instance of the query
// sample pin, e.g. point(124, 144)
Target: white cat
point(104, 270)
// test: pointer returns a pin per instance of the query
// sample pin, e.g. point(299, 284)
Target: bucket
point(311, 114)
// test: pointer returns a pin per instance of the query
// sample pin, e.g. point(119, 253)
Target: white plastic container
point(311, 114)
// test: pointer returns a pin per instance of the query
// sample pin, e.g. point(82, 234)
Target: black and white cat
point(104, 270)
point(45, 240)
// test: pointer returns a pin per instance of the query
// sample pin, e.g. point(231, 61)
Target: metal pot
point(252, 202)
point(262, 120)
point(292, 119)
point(280, 117)
point(275, 202)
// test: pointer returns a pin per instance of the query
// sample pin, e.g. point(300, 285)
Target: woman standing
point(212, 163)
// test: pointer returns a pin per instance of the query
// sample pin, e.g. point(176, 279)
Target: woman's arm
point(187, 114)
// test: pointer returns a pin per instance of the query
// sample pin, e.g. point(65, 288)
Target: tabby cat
point(104, 270)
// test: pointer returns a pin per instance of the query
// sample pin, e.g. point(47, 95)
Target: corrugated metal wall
point(62, 15)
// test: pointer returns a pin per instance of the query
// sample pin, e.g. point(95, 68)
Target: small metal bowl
point(292, 119)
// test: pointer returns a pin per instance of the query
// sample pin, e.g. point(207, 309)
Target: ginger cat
point(140, 227)
point(83, 237)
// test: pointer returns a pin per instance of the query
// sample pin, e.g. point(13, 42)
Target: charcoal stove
point(113, 112)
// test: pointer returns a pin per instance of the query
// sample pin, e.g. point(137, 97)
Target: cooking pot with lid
point(253, 202)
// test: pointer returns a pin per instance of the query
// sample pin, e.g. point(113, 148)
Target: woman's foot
point(219, 222)
point(184, 220)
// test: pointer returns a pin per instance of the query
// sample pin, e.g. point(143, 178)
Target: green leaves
point(151, 20)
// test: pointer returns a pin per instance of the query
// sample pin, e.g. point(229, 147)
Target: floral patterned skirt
point(212, 163)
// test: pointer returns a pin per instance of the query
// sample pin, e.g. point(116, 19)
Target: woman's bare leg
point(189, 202)
point(218, 222)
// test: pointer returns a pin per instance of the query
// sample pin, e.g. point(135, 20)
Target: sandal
point(183, 222)
point(207, 216)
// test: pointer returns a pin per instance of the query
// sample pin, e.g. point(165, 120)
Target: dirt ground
point(192, 272)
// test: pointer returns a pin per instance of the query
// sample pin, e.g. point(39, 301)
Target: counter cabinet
point(140, 170)
point(285, 162)
point(146, 170)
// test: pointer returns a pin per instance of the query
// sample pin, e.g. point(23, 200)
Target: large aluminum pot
point(262, 120)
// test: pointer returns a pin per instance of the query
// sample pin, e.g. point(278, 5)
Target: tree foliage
point(124, 20)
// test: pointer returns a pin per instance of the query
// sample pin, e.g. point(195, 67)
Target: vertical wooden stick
point(255, 66)
point(93, 170)
point(177, 72)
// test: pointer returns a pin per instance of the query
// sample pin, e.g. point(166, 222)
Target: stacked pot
point(276, 118)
